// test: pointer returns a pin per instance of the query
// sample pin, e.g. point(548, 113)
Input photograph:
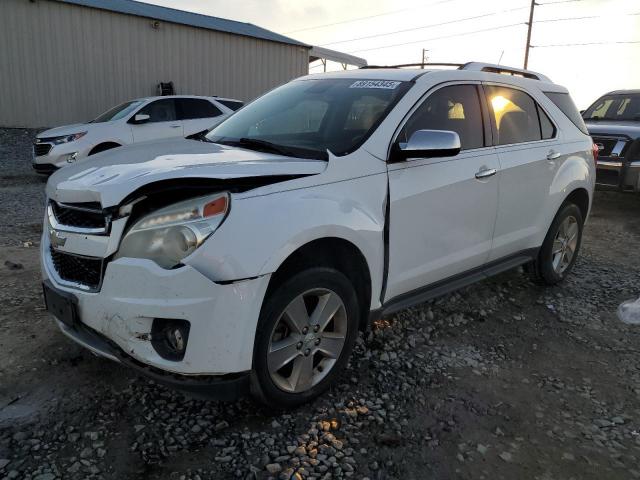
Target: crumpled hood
point(66, 130)
point(602, 127)
point(110, 176)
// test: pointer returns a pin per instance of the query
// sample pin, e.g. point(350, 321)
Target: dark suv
point(614, 123)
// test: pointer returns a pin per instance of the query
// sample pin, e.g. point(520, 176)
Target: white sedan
point(139, 120)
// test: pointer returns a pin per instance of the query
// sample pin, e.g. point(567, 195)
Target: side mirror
point(428, 144)
point(141, 118)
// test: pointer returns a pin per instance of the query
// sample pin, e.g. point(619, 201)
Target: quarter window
point(455, 108)
point(515, 114)
point(546, 125)
point(160, 111)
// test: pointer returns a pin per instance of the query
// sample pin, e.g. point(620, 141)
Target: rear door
point(162, 122)
point(530, 151)
point(197, 114)
point(442, 215)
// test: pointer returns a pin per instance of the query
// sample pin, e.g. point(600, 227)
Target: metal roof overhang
point(320, 53)
point(172, 15)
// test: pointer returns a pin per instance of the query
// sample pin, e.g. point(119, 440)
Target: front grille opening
point(72, 268)
point(79, 217)
point(608, 144)
point(40, 149)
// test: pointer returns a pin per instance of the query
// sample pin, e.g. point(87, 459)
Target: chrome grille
point(40, 149)
point(81, 216)
point(85, 271)
point(611, 146)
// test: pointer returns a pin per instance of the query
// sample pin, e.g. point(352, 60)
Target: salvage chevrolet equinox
point(247, 260)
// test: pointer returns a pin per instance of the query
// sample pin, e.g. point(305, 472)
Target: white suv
point(139, 120)
point(249, 261)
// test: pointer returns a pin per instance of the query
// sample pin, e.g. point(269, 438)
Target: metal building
point(66, 61)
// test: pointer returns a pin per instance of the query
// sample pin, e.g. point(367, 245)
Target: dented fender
point(262, 231)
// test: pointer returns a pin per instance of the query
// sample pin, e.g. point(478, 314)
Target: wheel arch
point(580, 197)
point(103, 146)
point(333, 252)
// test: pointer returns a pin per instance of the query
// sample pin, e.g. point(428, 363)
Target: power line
point(583, 18)
point(440, 38)
point(357, 19)
point(559, 1)
point(425, 26)
point(586, 43)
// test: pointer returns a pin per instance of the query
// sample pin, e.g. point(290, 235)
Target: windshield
point(615, 107)
point(118, 112)
point(312, 116)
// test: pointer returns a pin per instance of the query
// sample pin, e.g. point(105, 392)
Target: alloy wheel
point(307, 340)
point(565, 244)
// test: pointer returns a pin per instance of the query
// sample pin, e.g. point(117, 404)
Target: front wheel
point(308, 326)
point(559, 251)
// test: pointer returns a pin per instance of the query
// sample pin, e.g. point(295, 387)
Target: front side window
point(515, 114)
point(455, 108)
point(116, 113)
point(192, 108)
point(160, 111)
point(313, 116)
point(618, 107)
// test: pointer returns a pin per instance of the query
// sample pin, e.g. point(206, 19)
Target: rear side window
point(515, 114)
point(565, 103)
point(192, 108)
point(232, 104)
point(455, 108)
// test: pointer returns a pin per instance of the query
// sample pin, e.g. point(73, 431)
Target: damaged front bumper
point(117, 321)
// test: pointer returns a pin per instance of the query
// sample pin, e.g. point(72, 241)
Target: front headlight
point(170, 234)
point(68, 138)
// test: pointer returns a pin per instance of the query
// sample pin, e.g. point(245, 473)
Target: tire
point(547, 269)
point(308, 363)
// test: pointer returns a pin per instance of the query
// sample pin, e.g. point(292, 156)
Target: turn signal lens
point(215, 207)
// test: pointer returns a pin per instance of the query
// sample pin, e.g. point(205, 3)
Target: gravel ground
point(501, 380)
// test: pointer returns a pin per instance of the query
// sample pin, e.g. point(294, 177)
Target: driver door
point(162, 122)
point(442, 210)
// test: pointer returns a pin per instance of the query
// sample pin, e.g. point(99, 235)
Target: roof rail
point(493, 68)
point(459, 65)
point(473, 66)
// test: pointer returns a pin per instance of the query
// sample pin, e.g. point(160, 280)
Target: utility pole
point(425, 57)
point(526, 51)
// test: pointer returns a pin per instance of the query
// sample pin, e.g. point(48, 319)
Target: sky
point(387, 32)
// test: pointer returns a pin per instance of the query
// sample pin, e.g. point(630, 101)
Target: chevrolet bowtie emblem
point(56, 238)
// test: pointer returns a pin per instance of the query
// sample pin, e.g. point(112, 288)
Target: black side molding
point(455, 282)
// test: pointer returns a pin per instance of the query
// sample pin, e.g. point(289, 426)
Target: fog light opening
point(72, 157)
point(169, 337)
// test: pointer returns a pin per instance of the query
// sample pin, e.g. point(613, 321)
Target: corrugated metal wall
point(61, 63)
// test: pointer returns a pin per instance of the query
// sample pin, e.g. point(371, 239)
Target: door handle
point(553, 155)
point(174, 126)
point(486, 173)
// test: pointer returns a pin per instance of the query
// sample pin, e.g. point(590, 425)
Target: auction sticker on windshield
point(387, 84)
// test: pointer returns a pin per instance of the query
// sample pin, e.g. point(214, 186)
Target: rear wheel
point(559, 251)
point(307, 329)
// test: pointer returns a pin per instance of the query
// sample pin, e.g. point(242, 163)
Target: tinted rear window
point(515, 114)
point(233, 105)
point(565, 103)
point(191, 108)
